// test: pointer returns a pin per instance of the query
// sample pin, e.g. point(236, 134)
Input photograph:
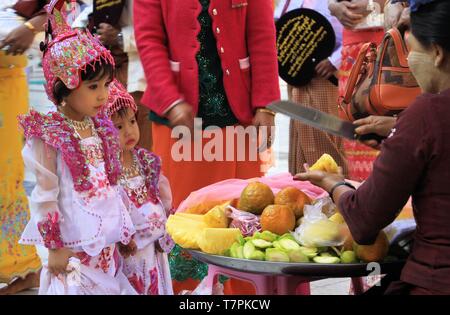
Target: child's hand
point(127, 250)
point(58, 259)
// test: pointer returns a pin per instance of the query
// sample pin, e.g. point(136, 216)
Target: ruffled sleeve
point(41, 160)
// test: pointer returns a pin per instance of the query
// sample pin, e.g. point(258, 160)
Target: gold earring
point(63, 103)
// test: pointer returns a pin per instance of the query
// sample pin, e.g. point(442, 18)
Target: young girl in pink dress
point(78, 211)
point(146, 264)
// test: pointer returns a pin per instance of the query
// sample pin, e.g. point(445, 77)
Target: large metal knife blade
point(320, 120)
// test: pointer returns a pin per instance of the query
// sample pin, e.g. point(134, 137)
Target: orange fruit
point(278, 219)
point(293, 197)
point(375, 252)
point(255, 197)
point(348, 243)
point(204, 207)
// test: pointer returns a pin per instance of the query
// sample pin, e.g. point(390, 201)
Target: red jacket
point(166, 35)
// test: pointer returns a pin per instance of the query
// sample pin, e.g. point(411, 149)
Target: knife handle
point(370, 136)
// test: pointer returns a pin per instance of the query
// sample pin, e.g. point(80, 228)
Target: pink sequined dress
point(77, 204)
point(150, 202)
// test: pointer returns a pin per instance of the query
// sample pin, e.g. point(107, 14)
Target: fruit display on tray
point(268, 246)
point(282, 224)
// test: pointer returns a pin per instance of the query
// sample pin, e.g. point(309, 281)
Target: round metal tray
point(299, 269)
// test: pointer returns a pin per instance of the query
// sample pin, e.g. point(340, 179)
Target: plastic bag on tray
point(316, 230)
point(327, 205)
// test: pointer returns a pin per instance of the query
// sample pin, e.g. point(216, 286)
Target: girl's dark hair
point(96, 71)
point(430, 24)
point(122, 113)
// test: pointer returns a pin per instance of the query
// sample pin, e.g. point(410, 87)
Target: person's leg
point(324, 97)
point(30, 281)
point(294, 158)
point(17, 261)
point(307, 144)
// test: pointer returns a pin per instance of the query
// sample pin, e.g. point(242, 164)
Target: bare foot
point(18, 285)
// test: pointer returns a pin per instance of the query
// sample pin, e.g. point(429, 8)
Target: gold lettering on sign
point(101, 4)
point(297, 41)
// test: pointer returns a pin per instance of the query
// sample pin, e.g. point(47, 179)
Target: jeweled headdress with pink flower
point(68, 51)
point(118, 98)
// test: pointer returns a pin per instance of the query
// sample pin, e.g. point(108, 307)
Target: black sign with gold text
point(304, 38)
point(107, 11)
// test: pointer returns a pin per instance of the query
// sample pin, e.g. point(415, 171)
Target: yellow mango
point(326, 163)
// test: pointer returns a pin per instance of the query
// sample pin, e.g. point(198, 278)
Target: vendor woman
point(414, 161)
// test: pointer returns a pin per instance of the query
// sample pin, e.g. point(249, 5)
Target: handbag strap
point(400, 47)
point(356, 71)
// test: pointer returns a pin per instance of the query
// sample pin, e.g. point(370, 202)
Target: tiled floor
point(335, 286)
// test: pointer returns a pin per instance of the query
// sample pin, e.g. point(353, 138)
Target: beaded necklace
point(85, 124)
point(136, 194)
point(56, 132)
point(93, 152)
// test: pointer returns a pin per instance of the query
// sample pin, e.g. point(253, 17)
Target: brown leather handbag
point(380, 82)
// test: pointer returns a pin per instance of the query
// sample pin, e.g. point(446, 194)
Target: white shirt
point(89, 220)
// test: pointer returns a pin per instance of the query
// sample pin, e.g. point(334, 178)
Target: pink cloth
point(232, 188)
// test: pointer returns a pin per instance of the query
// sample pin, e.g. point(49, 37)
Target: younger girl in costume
point(146, 265)
point(78, 212)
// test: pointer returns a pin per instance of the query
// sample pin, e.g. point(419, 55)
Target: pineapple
point(216, 241)
point(217, 216)
point(326, 163)
point(184, 231)
point(196, 217)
